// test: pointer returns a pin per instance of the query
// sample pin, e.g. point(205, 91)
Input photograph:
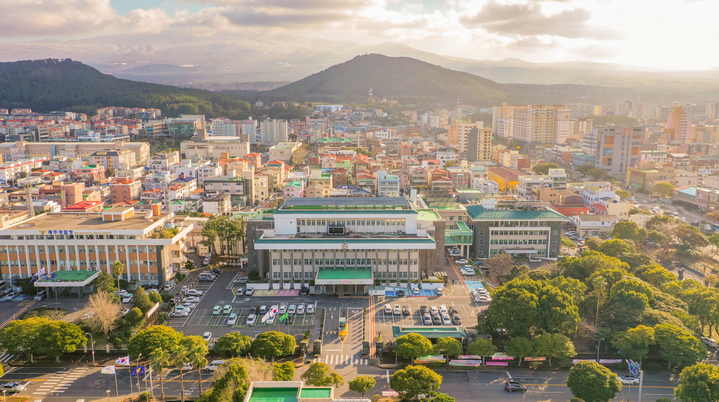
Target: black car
point(305, 291)
point(423, 309)
point(456, 319)
point(514, 386)
point(215, 271)
point(400, 293)
point(406, 310)
point(453, 310)
point(436, 319)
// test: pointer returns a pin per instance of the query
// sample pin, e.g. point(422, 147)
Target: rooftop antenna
point(28, 201)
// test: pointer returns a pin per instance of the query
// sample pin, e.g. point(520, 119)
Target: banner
point(501, 356)
point(610, 361)
point(465, 363)
point(108, 370)
point(575, 361)
point(430, 359)
point(138, 370)
point(123, 361)
point(470, 357)
point(535, 359)
point(497, 363)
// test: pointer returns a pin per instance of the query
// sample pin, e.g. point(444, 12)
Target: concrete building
point(618, 148)
point(343, 244)
point(212, 148)
point(594, 225)
point(283, 151)
point(387, 184)
point(12, 151)
point(272, 132)
point(115, 160)
point(521, 228)
point(479, 145)
point(124, 190)
point(219, 205)
point(94, 243)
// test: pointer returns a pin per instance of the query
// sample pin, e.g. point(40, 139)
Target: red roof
point(275, 162)
point(252, 155)
point(83, 205)
point(599, 207)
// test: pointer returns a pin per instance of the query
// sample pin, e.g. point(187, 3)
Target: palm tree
point(117, 269)
point(178, 357)
point(159, 358)
point(196, 351)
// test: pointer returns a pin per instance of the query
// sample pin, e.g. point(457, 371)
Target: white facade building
point(272, 132)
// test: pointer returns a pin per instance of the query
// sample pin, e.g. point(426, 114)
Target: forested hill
point(398, 77)
point(47, 85)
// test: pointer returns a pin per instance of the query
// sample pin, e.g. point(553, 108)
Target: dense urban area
point(371, 251)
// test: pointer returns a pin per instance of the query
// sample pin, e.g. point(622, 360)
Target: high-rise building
point(457, 134)
point(618, 148)
point(272, 132)
point(679, 124)
point(479, 144)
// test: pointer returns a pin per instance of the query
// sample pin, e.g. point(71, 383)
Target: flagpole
point(130, 367)
point(117, 390)
point(152, 387)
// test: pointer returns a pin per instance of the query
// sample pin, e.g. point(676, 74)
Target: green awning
point(344, 276)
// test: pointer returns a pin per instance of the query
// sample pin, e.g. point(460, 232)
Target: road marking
point(353, 360)
point(544, 392)
point(333, 350)
point(387, 376)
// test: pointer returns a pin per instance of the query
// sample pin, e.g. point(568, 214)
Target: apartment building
point(94, 241)
point(273, 132)
point(479, 145)
point(387, 184)
point(125, 190)
point(207, 147)
point(555, 179)
point(618, 148)
point(115, 160)
point(12, 151)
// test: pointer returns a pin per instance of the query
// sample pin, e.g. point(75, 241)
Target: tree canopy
point(233, 344)
point(320, 375)
point(698, 383)
point(273, 344)
point(592, 382)
point(544, 168)
point(414, 380)
point(412, 346)
point(152, 338)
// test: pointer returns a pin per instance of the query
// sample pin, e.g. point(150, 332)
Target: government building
point(343, 245)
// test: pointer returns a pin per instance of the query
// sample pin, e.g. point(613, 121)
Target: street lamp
point(108, 395)
point(93, 347)
point(598, 345)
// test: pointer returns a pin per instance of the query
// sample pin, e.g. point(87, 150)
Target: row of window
point(78, 249)
point(534, 223)
point(72, 237)
point(83, 264)
point(308, 275)
point(518, 241)
point(361, 262)
point(330, 253)
point(518, 233)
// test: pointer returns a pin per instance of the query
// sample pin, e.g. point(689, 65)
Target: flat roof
point(67, 279)
point(478, 212)
point(430, 215)
point(81, 222)
point(325, 393)
point(338, 273)
point(430, 332)
point(274, 395)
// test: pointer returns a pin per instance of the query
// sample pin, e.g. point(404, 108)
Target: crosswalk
point(345, 360)
point(60, 381)
point(7, 357)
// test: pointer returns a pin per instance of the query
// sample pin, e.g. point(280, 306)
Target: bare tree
point(500, 264)
point(106, 312)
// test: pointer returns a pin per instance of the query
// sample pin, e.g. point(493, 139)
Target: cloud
point(55, 17)
point(528, 19)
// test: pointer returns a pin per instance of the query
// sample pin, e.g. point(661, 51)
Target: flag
point(138, 370)
point(285, 316)
point(123, 361)
point(108, 370)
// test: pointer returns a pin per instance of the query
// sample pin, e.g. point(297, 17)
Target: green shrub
point(254, 275)
point(179, 277)
point(167, 296)
point(145, 397)
point(654, 366)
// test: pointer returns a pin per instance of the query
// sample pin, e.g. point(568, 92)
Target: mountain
point(393, 77)
point(51, 84)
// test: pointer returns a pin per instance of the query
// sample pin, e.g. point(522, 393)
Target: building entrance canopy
point(344, 276)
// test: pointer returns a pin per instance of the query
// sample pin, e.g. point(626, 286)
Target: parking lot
point(384, 322)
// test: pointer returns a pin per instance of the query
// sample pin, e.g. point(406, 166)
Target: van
point(214, 365)
point(40, 295)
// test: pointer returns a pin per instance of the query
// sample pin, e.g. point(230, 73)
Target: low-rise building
point(218, 205)
point(594, 225)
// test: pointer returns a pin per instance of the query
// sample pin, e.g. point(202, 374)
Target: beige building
point(22, 149)
point(115, 160)
point(283, 151)
point(215, 147)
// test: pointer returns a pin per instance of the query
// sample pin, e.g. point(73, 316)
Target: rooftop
point(430, 332)
point(81, 222)
point(333, 204)
point(478, 212)
point(352, 273)
point(274, 395)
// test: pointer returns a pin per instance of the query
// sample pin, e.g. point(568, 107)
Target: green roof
point(429, 215)
point(477, 212)
point(274, 395)
point(430, 332)
point(351, 273)
point(325, 393)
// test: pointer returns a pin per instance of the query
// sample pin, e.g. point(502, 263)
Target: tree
point(415, 380)
point(21, 337)
point(628, 231)
point(598, 174)
point(233, 344)
point(657, 275)
point(714, 241)
point(519, 348)
point(412, 346)
point(197, 350)
point(513, 309)
point(362, 384)
point(283, 371)
point(153, 338)
point(232, 385)
point(320, 375)
point(104, 283)
point(593, 243)
point(57, 338)
point(615, 247)
point(134, 316)
point(481, 347)
point(663, 189)
point(698, 383)
point(655, 236)
point(106, 312)
point(448, 346)
point(159, 359)
point(555, 346)
point(677, 346)
point(435, 396)
point(656, 222)
point(625, 195)
point(141, 300)
point(572, 287)
point(500, 264)
point(592, 382)
point(117, 269)
point(568, 243)
point(689, 237)
point(634, 343)
point(154, 297)
point(544, 168)
point(273, 344)
point(189, 265)
point(179, 355)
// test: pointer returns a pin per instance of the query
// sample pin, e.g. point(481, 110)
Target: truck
point(343, 329)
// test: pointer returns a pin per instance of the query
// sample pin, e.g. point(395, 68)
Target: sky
point(657, 34)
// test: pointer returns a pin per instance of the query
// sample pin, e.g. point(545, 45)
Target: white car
point(249, 292)
point(194, 292)
point(189, 306)
point(628, 380)
point(191, 299)
point(179, 313)
point(440, 291)
point(709, 342)
point(443, 309)
point(214, 365)
point(462, 261)
point(251, 320)
point(433, 310)
point(387, 309)
point(292, 309)
point(310, 309)
point(207, 336)
point(468, 272)
point(397, 310)
point(127, 298)
point(415, 291)
point(446, 320)
point(271, 319)
point(232, 320)
point(301, 309)
point(283, 309)
point(273, 309)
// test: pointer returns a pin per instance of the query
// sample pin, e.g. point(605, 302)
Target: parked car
point(263, 309)
point(217, 310)
point(433, 310)
point(462, 261)
point(397, 310)
point(251, 320)
point(426, 319)
point(387, 309)
point(180, 313)
point(514, 386)
point(406, 311)
point(127, 298)
point(249, 292)
point(436, 320)
point(310, 309)
point(415, 291)
point(440, 291)
point(709, 342)
point(283, 309)
point(456, 319)
point(446, 320)
point(292, 309)
point(227, 309)
point(453, 310)
point(191, 299)
point(271, 319)
point(400, 293)
point(194, 292)
point(214, 365)
point(423, 309)
point(240, 291)
point(40, 295)
point(207, 336)
point(216, 271)
point(628, 380)
point(443, 309)
point(301, 309)
point(232, 320)
point(304, 291)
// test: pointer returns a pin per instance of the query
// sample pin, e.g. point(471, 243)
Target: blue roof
point(477, 212)
point(691, 191)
